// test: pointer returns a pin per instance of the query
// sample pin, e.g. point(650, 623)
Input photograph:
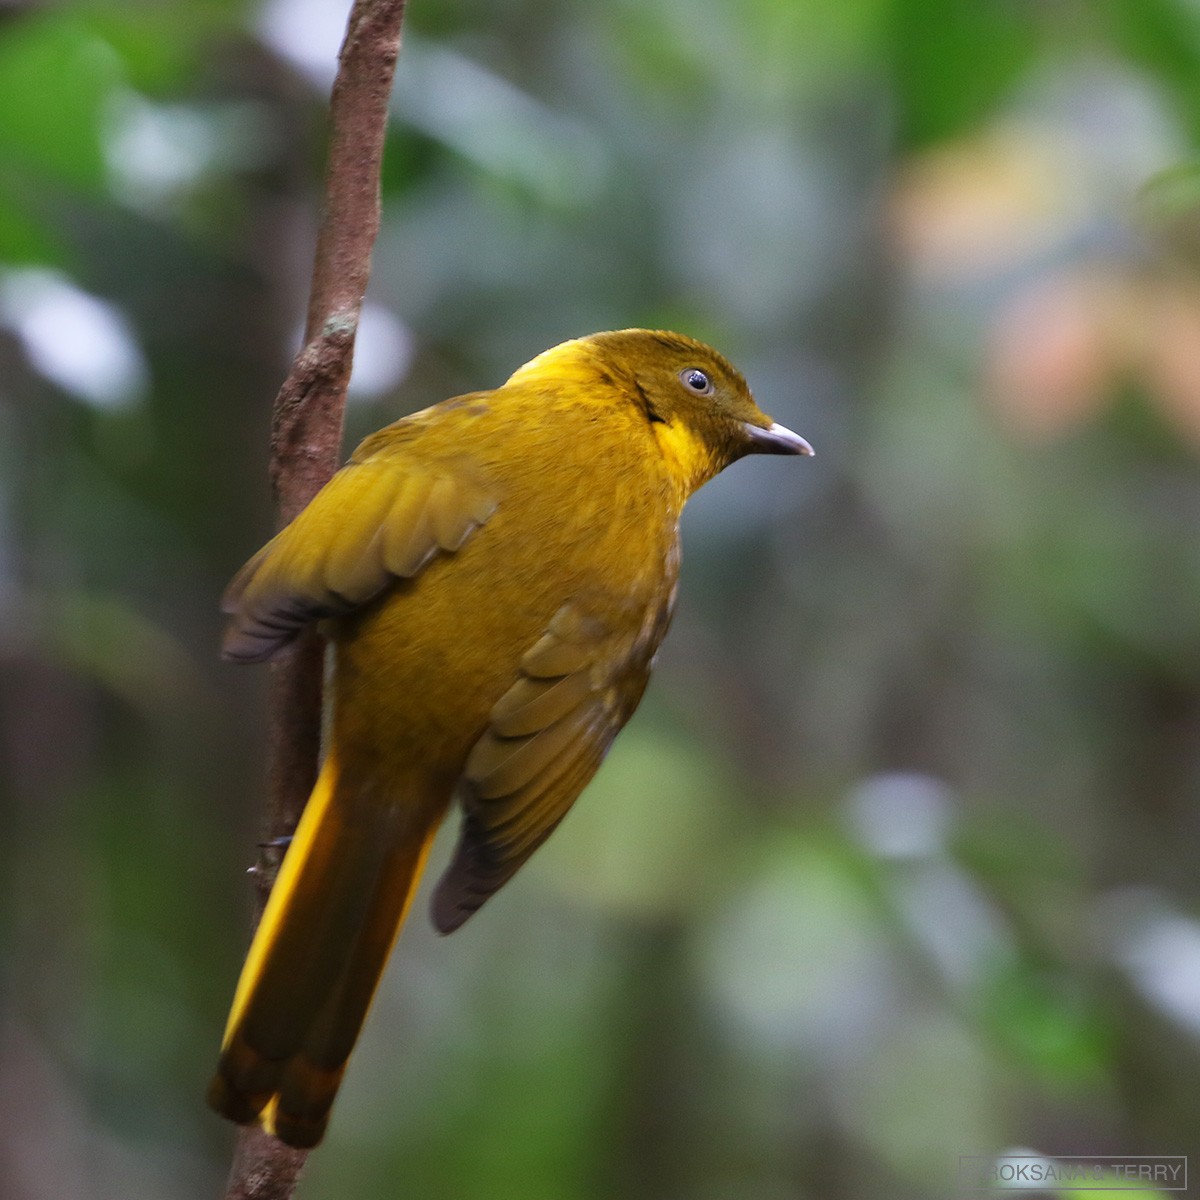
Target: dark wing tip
point(242, 645)
point(448, 914)
point(464, 887)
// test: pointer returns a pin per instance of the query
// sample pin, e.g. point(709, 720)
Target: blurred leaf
point(1016, 852)
point(55, 80)
point(651, 55)
point(1048, 1025)
point(1172, 192)
point(503, 130)
point(92, 635)
point(656, 807)
point(953, 61)
point(158, 43)
point(796, 45)
point(408, 160)
point(1163, 36)
point(25, 240)
point(919, 1100)
point(1105, 1191)
point(807, 898)
point(1168, 206)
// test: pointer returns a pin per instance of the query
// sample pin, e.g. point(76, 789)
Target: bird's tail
point(333, 915)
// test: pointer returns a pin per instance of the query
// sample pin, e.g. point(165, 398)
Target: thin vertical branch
point(306, 439)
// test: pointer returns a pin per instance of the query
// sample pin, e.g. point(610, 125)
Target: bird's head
point(697, 404)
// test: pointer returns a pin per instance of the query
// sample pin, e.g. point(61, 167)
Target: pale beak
point(775, 440)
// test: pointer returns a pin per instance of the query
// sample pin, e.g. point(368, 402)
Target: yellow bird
point(495, 575)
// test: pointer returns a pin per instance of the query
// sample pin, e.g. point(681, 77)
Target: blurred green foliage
point(897, 862)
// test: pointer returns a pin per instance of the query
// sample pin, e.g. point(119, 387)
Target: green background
point(897, 861)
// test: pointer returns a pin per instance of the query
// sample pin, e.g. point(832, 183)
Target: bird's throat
point(689, 458)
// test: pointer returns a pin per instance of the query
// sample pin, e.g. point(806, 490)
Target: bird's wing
point(380, 518)
point(546, 738)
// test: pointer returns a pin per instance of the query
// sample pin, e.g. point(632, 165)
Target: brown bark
point(306, 441)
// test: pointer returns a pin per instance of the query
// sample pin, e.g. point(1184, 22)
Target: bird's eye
point(696, 381)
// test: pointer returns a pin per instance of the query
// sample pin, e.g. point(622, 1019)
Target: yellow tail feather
point(342, 894)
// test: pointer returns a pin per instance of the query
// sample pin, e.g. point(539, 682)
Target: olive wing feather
point(377, 520)
point(546, 738)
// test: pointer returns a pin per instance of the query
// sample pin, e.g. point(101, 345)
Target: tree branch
point(306, 438)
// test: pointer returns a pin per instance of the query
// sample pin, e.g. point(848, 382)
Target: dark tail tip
point(301, 1133)
point(240, 1107)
